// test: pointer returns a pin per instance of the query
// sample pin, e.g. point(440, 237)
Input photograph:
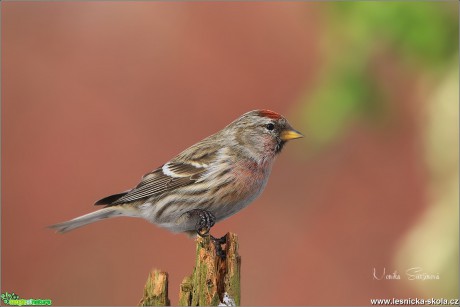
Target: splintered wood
point(214, 281)
point(156, 290)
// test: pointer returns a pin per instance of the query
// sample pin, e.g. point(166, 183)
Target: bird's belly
point(245, 185)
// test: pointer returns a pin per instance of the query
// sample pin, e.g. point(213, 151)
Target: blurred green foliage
point(345, 95)
point(427, 31)
point(423, 35)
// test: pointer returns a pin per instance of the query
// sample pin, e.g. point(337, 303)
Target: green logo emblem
point(13, 299)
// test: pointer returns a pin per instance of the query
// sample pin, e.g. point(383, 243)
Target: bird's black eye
point(270, 126)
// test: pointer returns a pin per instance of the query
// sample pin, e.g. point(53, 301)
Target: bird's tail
point(86, 219)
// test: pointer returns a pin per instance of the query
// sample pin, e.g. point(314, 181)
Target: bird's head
point(263, 132)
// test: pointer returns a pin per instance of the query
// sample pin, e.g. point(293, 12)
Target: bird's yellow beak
point(290, 134)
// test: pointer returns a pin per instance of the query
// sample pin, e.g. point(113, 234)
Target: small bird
point(206, 183)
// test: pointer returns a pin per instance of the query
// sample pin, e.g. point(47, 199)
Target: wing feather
point(165, 179)
point(185, 169)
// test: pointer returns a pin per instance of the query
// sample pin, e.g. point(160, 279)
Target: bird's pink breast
point(251, 178)
point(248, 181)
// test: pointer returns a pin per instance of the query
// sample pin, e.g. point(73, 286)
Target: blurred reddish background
point(94, 95)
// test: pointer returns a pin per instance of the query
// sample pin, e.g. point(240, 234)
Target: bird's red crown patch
point(269, 114)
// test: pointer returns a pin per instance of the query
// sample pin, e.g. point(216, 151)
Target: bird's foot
point(202, 228)
point(205, 222)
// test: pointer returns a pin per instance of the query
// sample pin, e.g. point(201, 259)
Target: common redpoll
point(207, 182)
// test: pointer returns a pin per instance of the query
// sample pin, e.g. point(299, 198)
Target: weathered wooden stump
point(214, 280)
point(156, 290)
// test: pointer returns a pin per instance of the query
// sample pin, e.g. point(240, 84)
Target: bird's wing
point(183, 170)
point(164, 179)
point(170, 176)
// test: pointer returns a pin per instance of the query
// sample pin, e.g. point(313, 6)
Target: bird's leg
point(205, 222)
point(203, 226)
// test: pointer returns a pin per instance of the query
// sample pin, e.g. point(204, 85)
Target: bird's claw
point(205, 222)
point(203, 226)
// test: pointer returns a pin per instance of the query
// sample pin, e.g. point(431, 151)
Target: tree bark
point(213, 277)
point(156, 290)
point(214, 280)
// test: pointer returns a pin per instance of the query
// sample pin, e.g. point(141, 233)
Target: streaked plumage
point(221, 174)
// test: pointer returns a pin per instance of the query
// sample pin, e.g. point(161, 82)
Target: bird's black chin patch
point(279, 146)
